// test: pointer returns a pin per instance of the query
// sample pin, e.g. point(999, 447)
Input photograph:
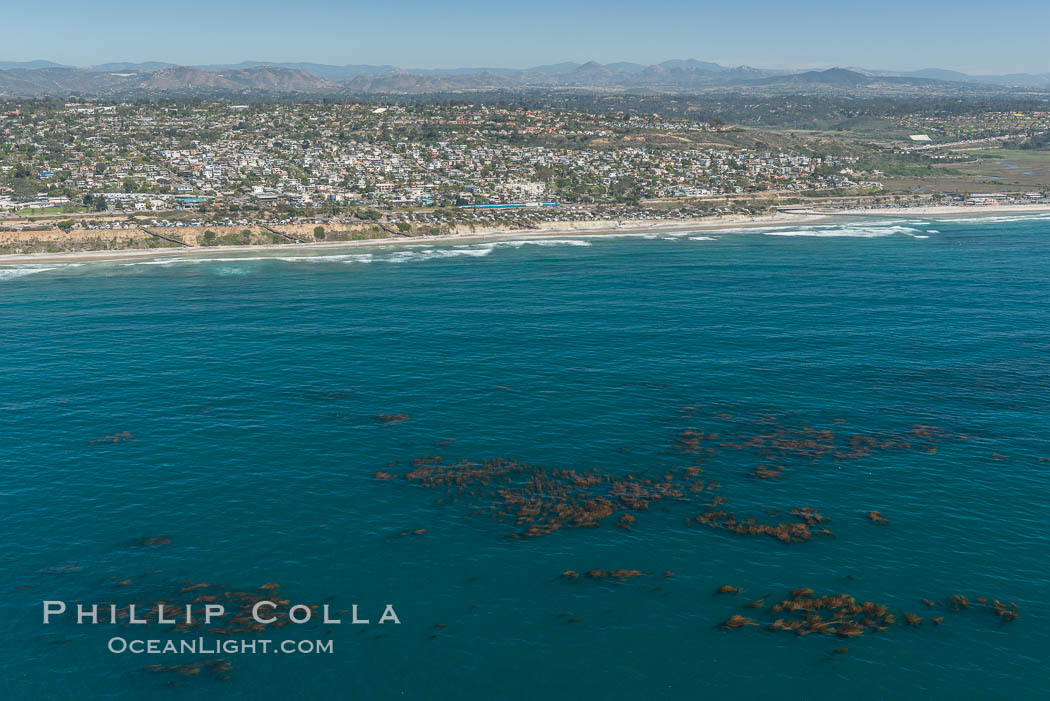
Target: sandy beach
point(938, 211)
point(546, 230)
point(807, 217)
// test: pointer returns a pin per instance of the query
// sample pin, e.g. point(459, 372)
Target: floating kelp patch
point(62, 569)
point(540, 501)
point(957, 602)
point(113, 438)
point(618, 574)
point(784, 532)
point(218, 667)
point(737, 621)
point(418, 531)
point(841, 615)
point(777, 442)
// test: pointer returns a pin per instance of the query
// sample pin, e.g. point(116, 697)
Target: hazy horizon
point(896, 36)
point(487, 66)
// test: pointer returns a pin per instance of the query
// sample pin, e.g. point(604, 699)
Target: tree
point(319, 233)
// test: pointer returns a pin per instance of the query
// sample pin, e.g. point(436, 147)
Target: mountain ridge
point(44, 78)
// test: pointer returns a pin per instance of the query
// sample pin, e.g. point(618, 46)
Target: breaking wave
point(345, 258)
point(12, 273)
point(432, 253)
point(1001, 219)
point(17, 271)
point(518, 243)
point(383, 254)
point(846, 231)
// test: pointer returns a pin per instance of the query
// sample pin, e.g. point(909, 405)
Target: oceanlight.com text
point(200, 646)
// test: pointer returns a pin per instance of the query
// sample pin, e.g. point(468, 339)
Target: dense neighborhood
point(236, 158)
point(193, 163)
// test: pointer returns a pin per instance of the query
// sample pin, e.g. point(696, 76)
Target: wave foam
point(1001, 219)
point(344, 258)
point(432, 253)
point(518, 243)
point(340, 258)
point(13, 273)
point(845, 231)
point(385, 254)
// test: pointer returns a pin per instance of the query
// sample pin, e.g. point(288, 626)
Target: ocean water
point(229, 407)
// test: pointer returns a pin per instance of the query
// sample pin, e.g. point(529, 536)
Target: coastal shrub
point(209, 238)
point(319, 233)
point(241, 238)
point(403, 226)
point(1039, 142)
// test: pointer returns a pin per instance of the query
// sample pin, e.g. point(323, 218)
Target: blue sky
point(977, 37)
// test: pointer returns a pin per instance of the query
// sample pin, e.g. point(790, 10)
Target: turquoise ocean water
point(230, 405)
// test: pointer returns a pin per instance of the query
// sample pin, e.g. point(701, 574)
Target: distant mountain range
point(45, 78)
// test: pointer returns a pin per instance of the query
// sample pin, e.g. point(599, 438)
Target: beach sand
point(938, 211)
point(809, 217)
point(545, 230)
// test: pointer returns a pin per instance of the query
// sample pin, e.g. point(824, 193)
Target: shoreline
point(809, 217)
point(961, 211)
point(557, 229)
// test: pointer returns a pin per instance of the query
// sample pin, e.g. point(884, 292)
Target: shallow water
point(250, 387)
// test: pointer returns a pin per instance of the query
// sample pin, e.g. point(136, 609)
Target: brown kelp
point(842, 615)
point(777, 442)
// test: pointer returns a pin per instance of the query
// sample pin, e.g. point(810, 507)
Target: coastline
point(808, 217)
point(546, 230)
point(962, 212)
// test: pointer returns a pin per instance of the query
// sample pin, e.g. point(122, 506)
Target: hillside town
point(429, 168)
point(308, 158)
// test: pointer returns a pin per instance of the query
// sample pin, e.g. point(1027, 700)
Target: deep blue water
point(249, 388)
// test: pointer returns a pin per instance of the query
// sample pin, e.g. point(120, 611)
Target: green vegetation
point(1040, 142)
point(910, 165)
point(359, 169)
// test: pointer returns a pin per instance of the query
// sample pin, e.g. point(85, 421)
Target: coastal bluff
point(48, 238)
